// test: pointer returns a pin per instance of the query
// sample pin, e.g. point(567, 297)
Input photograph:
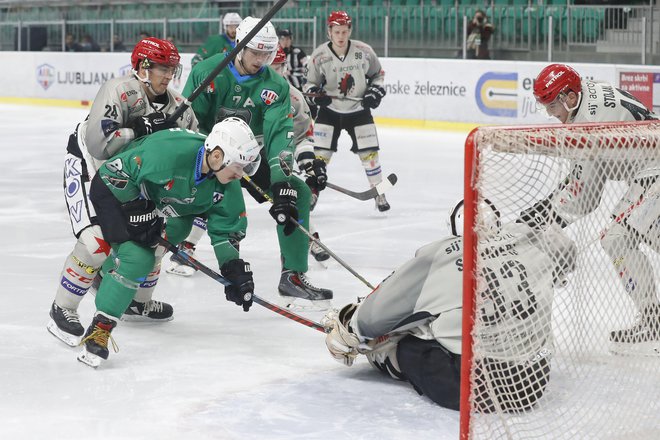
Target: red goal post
point(514, 167)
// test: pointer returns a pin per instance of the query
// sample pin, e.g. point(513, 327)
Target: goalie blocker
point(410, 326)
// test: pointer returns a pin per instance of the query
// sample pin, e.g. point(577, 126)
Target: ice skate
point(95, 343)
point(643, 338)
point(297, 293)
point(65, 325)
point(181, 268)
point(148, 312)
point(317, 251)
point(381, 203)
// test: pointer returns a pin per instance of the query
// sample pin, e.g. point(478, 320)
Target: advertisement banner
point(442, 90)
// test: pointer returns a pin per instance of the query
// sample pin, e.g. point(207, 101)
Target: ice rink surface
point(214, 372)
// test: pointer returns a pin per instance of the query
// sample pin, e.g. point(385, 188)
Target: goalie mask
point(488, 218)
point(238, 144)
point(265, 40)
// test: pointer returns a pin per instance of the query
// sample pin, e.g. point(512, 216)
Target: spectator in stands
point(70, 44)
point(143, 35)
point(118, 44)
point(296, 59)
point(89, 45)
point(479, 32)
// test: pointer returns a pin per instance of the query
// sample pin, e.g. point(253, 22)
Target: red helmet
point(155, 50)
point(554, 80)
point(339, 18)
point(280, 56)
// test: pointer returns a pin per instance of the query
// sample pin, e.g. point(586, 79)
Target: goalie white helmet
point(231, 19)
point(237, 142)
point(489, 218)
point(266, 40)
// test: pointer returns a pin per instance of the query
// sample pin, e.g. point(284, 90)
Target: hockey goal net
point(577, 387)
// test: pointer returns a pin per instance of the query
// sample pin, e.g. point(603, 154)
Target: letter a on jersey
point(268, 96)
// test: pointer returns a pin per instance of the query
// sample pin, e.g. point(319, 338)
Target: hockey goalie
point(410, 326)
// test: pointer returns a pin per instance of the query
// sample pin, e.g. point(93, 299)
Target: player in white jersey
point(125, 108)
point(345, 79)
point(571, 99)
point(410, 326)
point(303, 134)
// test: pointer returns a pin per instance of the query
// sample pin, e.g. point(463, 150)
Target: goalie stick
point(187, 259)
point(311, 237)
point(225, 61)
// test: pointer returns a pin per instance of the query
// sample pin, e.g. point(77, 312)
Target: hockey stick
point(369, 194)
point(225, 61)
point(311, 236)
point(320, 95)
point(187, 259)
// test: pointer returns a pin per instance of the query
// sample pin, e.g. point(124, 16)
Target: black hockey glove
point(284, 209)
point(541, 215)
point(240, 291)
point(316, 170)
point(372, 96)
point(143, 224)
point(321, 99)
point(151, 123)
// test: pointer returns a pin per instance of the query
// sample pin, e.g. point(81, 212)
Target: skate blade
point(90, 359)
point(304, 305)
point(639, 349)
point(142, 318)
point(182, 271)
point(67, 338)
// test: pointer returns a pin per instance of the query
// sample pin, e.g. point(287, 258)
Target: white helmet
point(490, 218)
point(231, 19)
point(237, 142)
point(266, 40)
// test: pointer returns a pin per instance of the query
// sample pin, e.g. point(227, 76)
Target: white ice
point(214, 372)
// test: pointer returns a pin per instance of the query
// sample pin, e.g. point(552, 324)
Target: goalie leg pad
point(431, 369)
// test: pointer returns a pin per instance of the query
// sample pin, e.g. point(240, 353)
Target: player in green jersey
point(220, 43)
point(249, 89)
point(178, 174)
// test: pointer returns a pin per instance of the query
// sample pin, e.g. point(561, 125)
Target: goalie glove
point(342, 343)
point(541, 215)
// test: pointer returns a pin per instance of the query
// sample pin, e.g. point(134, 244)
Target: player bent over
point(125, 108)
point(250, 90)
point(410, 326)
point(179, 174)
point(339, 70)
point(571, 99)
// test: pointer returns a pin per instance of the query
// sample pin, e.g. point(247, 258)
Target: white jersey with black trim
point(424, 296)
point(348, 76)
point(303, 128)
point(580, 193)
point(118, 102)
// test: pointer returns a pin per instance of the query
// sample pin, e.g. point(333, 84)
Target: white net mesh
point(548, 359)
